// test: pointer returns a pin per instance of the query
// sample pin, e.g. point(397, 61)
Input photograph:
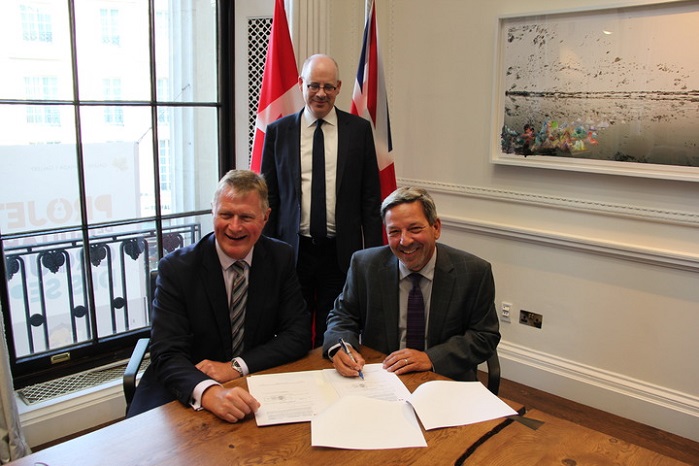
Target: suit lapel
point(442, 289)
point(293, 142)
point(388, 282)
point(342, 146)
point(212, 279)
point(257, 291)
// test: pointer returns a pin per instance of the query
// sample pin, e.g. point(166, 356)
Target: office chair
point(140, 350)
point(493, 364)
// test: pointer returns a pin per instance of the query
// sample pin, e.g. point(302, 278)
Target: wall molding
point(624, 251)
point(651, 256)
point(674, 217)
point(651, 404)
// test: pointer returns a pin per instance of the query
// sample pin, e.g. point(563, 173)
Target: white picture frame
point(612, 91)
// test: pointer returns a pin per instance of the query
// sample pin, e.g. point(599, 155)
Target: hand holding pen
point(349, 366)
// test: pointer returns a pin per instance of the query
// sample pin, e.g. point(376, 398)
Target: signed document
point(300, 396)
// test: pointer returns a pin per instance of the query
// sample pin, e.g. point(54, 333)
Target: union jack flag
point(369, 101)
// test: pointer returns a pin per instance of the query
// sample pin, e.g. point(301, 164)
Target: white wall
point(612, 262)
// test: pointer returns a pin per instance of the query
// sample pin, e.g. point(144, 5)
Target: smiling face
point(410, 236)
point(239, 218)
point(320, 70)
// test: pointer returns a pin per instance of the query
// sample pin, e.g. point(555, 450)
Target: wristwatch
point(236, 365)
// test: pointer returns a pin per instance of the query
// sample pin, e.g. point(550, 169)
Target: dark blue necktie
point(318, 215)
point(416, 315)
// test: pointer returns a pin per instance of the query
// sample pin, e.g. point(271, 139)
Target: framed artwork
point(608, 91)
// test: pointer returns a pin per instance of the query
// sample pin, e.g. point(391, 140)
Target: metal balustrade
point(49, 308)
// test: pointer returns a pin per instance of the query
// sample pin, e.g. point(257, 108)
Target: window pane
point(188, 158)
point(117, 153)
point(40, 47)
point(185, 50)
point(112, 43)
point(45, 159)
point(37, 124)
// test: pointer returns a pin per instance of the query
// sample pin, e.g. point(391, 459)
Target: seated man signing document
point(430, 307)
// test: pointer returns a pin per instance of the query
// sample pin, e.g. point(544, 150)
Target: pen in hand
point(346, 348)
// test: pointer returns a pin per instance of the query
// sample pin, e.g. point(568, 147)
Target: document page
point(299, 396)
point(446, 403)
point(378, 383)
point(290, 397)
point(360, 423)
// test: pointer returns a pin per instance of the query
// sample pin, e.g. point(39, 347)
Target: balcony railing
point(49, 308)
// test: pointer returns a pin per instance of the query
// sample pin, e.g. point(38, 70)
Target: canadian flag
point(369, 101)
point(279, 94)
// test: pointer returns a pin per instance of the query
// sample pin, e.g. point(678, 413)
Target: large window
point(112, 144)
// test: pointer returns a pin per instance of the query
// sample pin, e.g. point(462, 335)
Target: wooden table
point(176, 435)
point(561, 442)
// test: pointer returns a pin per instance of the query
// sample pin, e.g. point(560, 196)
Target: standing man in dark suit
point(352, 194)
point(455, 294)
point(196, 343)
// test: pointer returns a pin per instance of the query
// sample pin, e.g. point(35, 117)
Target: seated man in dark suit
point(449, 293)
point(226, 306)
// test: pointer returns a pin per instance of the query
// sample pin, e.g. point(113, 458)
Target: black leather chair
point(140, 350)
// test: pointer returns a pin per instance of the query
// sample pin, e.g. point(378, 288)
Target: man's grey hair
point(406, 195)
point(243, 181)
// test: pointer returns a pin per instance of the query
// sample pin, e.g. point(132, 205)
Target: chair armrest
point(132, 367)
point(493, 364)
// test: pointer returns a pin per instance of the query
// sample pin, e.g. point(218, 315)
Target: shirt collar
point(309, 119)
point(226, 261)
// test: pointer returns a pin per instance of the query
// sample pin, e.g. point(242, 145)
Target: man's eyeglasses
point(315, 87)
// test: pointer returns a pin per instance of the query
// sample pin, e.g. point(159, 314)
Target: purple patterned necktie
point(416, 315)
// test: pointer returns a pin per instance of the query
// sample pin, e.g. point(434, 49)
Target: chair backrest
point(493, 364)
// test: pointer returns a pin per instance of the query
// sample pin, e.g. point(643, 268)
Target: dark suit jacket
point(358, 193)
point(463, 328)
point(190, 320)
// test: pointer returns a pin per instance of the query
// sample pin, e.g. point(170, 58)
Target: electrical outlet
point(530, 318)
point(505, 309)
